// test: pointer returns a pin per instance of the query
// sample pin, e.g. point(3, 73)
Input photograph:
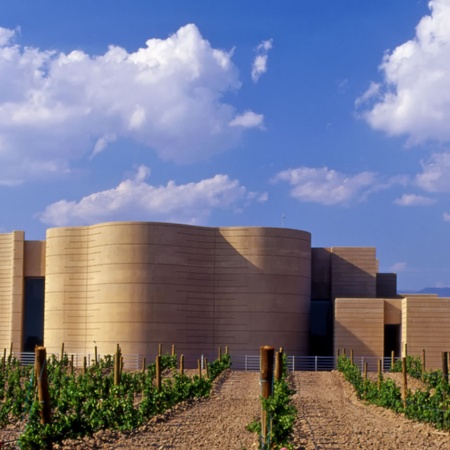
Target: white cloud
point(248, 120)
point(328, 187)
point(135, 199)
point(260, 62)
point(6, 36)
point(398, 267)
point(168, 96)
point(446, 217)
point(415, 96)
point(414, 200)
point(435, 176)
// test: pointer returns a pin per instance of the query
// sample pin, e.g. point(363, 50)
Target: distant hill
point(441, 292)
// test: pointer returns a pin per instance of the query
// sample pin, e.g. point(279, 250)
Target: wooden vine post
point(424, 365)
point(144, 363)
point(445, 367)
point(173, 349)
point(351, 357)
point(379, 375)
point(219, 354)
point(445, 382)
point(95, 355)
point(365, 379)
point(206, 368)
point(199, 365)
point(62, 352)
point(278, 366)
point(405, 382)
point(267, 354)
point(159, 349)
point(158, 372)
point(392, 359)
point(117, 366)
point(181, 364)
point(40, 371)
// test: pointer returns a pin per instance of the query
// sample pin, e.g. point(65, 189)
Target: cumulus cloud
point(414, 200)
point(446, 217)
point(135, 199)
point(328, 187)
point(168, 96)
point(260, 62)
point(248, 120)
point(414, 98)
point(435, 176)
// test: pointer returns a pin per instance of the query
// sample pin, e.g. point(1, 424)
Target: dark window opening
point(321, 328)
point(33, 316)
point(392, 340)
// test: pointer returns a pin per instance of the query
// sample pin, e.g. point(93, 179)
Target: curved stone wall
point(141, 284)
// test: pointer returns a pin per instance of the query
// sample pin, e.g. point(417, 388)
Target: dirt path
point(331, 417)
point(218, 423)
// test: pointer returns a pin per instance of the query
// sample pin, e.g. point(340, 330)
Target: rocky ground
point(330, 417)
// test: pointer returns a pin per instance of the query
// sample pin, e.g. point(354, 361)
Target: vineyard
point(83, 402)
point(164, 406)
point(430, 404)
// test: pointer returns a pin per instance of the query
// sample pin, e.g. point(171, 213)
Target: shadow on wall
point(141, 284)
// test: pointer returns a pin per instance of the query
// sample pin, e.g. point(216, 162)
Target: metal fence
point(248, 363)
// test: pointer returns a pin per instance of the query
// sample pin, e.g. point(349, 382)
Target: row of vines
point(431, 404)
point(280, 412)
point(83, 403)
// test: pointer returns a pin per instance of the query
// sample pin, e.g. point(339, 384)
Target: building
point(144, 283)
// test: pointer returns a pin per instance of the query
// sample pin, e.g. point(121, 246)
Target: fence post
point(445, 382)
point(42, 380)
point(117, 364)
point(158, 372)
point(379, 375)
point(365, 379)
point(266, 368)
point(181, 364)
point(445, 367)
point(424, 367)
point(405, 382)
point(278, 366)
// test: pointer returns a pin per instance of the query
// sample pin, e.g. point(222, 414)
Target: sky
point(327, 116)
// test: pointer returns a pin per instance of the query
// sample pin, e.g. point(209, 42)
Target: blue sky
point(333, 113)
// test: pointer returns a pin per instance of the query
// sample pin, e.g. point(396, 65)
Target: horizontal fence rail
point(248, 363)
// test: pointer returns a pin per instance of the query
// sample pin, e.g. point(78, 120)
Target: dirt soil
point(330, 417)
